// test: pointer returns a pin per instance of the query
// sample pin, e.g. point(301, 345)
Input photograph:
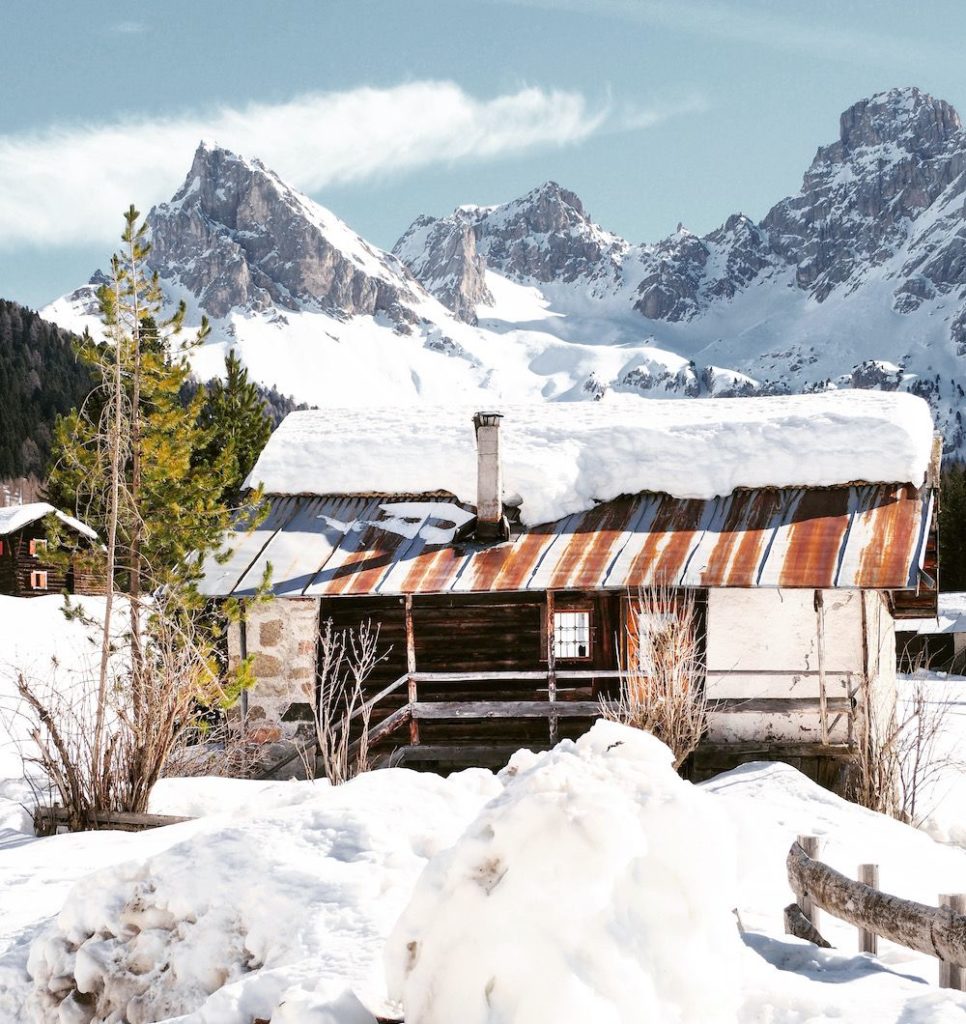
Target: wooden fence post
point(820, 649)
point(869, 941)
point(552, 722)
point(952, 975)
point(810, 844)
point(411, 669)
point(939, 932)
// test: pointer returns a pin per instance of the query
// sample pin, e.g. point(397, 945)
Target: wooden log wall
point(481, 633)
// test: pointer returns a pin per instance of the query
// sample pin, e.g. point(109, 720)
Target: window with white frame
point(38, 580)
point(37, 546)
point(571, 634)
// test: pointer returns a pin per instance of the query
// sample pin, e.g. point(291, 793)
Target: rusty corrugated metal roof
point(862, 536)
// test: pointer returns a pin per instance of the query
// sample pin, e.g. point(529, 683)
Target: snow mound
point(564, 457)
point(587, 891)
point(283, 903)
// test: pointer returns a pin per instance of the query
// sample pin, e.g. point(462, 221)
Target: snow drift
point(586, 891)
point(285, 900)
point(562, 458)
point(286, 894)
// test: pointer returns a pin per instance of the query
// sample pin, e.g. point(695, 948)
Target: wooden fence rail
point(48, 819)
point(936, 931)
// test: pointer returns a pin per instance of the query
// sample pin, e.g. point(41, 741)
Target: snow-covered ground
point(588, 883)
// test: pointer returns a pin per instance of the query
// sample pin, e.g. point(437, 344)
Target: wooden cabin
point(937, 643)
point(28, 568)
point(497, 636)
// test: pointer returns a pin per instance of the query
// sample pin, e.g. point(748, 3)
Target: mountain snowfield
point(858, 280)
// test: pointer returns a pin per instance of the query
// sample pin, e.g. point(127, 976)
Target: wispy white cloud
point(765, 24)
point(68, 184)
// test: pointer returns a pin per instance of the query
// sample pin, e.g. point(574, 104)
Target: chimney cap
point(487, 419)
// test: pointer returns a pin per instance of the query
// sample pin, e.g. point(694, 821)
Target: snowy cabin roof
point(605, 477)
point(562, 458)
point(16, 517)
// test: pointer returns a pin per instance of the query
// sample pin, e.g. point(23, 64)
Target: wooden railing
point(938, 932)
point(416, 710)
point(554, 707)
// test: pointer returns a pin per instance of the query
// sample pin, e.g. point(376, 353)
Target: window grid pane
point(571, 634)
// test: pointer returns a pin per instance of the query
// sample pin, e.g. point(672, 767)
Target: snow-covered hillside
point(857, 280)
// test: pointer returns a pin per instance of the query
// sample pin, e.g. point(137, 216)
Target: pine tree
point(142, 469)
point(235, 416)
point(172, 469)
point(952, 528)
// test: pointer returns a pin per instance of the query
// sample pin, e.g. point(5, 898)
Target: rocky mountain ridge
point(857, 280)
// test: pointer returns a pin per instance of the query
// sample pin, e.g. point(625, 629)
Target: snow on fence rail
point(939, 932)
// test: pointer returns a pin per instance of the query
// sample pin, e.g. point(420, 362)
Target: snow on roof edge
point(16, 517)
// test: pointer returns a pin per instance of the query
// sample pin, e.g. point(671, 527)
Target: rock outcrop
point(237, 237)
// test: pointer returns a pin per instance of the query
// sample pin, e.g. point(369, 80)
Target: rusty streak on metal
point(861, 536)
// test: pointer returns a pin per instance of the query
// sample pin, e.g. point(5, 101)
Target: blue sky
point(653, 111)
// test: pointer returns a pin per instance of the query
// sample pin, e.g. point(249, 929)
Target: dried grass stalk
point(662, 670)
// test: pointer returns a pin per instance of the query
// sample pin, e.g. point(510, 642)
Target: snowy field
point(586, 884)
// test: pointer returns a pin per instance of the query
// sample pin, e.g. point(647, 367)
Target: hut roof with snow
point(824, 491)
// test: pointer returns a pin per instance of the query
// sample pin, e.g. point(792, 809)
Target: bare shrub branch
point(347, 658)
point(898, 756)
point(107, 754)
point(661, 670)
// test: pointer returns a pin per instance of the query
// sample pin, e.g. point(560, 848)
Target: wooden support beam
point(837, 751)
point(372, 701)
point(482, 709)
point(470, 754)
point(953, 975)
point(797, 924)
point(523, 674)
point(411, 668)
point(48, 819)
point(384, 729)
point(553, 720)
point(820, 647)
point(777, 705)
point(868, 940)
point(810, 845)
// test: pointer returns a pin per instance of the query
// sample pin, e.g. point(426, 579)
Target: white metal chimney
point(490, 521)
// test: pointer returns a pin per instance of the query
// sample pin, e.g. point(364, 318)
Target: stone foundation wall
point(281, 636)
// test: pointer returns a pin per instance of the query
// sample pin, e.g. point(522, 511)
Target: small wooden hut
point(28, 568)
point(937, 643)
point(499, 635)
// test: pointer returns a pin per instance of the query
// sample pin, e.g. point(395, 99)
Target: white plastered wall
point(762, 645)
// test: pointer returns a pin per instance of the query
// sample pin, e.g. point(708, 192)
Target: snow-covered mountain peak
point(545, 236)
point(906, 117)
point(235, 236)
point(856, 280)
